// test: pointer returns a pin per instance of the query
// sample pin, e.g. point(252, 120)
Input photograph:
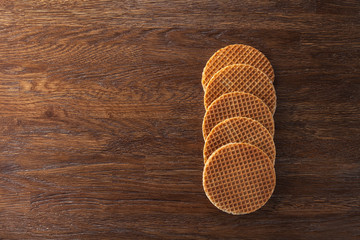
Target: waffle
point(240, 130)
point(239, 178)
point(241, 78)
point(236, 54)
point(237, 104)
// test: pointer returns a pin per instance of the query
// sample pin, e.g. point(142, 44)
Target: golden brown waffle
point(241, 78)
point(237, 104)
point(236, 54)
point(239, 178)
point(240, 130)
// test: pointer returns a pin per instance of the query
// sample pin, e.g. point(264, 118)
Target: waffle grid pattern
point(236, 54)
point(237, 104)
point(239, 178)
point(241, 78)
point(240, 130)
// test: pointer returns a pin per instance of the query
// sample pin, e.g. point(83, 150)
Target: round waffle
point(241, 78)
point(239, 178)
point(240, 130)
point(236, 54)
point(237, 104)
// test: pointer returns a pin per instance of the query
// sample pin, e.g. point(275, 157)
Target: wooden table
point(101, 109)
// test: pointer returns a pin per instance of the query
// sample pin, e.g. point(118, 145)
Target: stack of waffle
point(238, 129)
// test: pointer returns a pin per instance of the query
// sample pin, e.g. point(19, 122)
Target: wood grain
point(101, 108)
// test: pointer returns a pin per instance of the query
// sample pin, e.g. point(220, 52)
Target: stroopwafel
point(237, 104)
point(239, 178)
point(240, 130)
point(236, 54)
point(241, 78)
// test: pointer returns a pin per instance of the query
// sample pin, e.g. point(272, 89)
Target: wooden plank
point(101, 108)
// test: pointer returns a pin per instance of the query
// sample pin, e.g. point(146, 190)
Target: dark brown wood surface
point(101, 108)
